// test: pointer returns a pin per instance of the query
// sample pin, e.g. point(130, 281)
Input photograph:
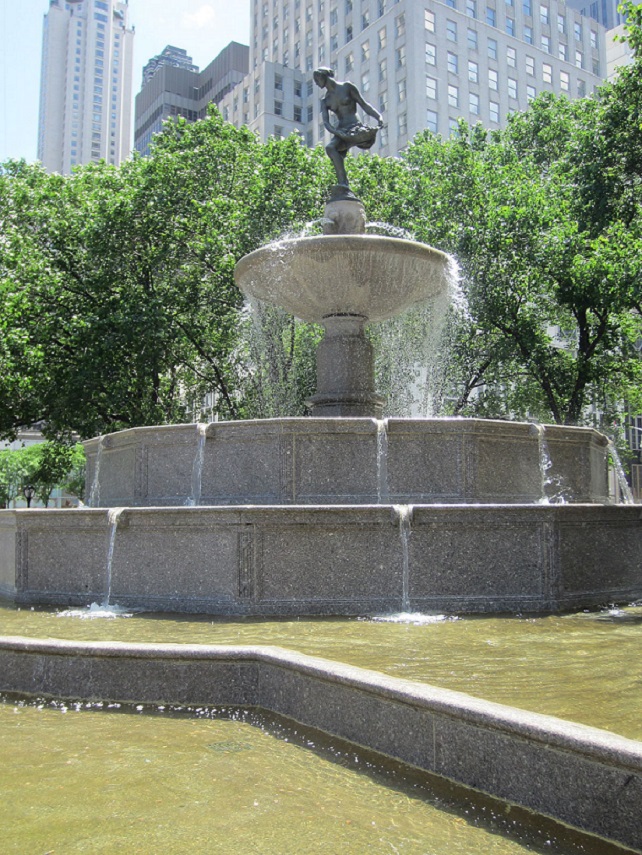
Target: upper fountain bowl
point(370, 276)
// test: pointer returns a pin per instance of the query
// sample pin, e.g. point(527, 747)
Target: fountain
point(343, 513)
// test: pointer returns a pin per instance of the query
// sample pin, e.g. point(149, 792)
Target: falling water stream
point(113, 515)
point(382, 461)
point(197, 466)
point(94, 492)
point(625, 490)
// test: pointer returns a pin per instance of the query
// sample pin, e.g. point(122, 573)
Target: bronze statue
point(342, 99)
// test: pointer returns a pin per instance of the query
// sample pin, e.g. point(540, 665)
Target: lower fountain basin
point(369, 276)
point(303, 560)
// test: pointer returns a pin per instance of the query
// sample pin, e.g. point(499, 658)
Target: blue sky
point(202, 27)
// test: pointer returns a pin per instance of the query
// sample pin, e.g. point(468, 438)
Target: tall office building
point(422, 63)
point(173, 86)
point(171, 56)
point(86, 84)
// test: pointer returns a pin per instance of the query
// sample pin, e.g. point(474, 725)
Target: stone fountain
point(343, 513)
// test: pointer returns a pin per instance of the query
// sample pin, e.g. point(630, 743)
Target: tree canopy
point(118, 306)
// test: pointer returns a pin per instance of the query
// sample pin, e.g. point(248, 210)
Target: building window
point(431, 54)
point(593, 38)
point(492, 49)
point(310, 114)
point(278, 85)
point(544, 16)
point(365, 51)
point(472, 39)
point(365, 20)
point(547, 72)
point(365, 81)
point(401, 57)
point(473, 71)
point(473, 103)
point(401, 90)
point(453, 63)
point(383, 101)
point(431, 121)
point(561, 24)
point(510, 26)
point(453, 96)
point(297, 114)
point(491, 17)
point(429, 21)
point(400, 26)
point(579, 58)
point(431, 88)
point(278, 108)
point(471, 8)
point(349, 33)
point(565, 81)
point(512, 87)
point(577, 29)
point(530, 65)
point(451, 31)
point(382, 36)
point(596, 67)
point(493, 79)
point(493, 111)
point(527, 6)
point(546, 44)
point(383, 70)
point(581, 88)
point(403, 124)
point(511, 56)
point(349, 62)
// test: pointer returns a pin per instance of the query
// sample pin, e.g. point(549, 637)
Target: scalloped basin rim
point(369, 275)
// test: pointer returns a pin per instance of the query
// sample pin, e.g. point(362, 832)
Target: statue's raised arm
point(342, 99)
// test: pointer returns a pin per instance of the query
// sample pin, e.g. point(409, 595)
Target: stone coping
point(583, 776)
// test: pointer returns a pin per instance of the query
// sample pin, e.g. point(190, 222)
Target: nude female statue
point(342, 99)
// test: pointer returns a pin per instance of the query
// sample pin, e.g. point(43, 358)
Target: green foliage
point(118, 306)
point(45, 466)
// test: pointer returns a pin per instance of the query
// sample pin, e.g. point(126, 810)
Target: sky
point(201, 27)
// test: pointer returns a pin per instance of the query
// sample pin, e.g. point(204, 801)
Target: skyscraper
point(173, 86)
point(422, 63)
point(86, 84)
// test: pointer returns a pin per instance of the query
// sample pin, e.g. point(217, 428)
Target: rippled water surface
point(132, 780)
point(585, 667)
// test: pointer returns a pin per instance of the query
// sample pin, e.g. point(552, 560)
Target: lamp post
point(28, 491)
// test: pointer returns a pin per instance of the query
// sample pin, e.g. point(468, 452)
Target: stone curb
point(586, 777)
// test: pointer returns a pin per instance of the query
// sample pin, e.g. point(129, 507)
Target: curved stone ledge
point(588, 778)
point(312, 461)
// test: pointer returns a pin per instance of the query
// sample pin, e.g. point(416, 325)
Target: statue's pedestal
point(345, 370)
